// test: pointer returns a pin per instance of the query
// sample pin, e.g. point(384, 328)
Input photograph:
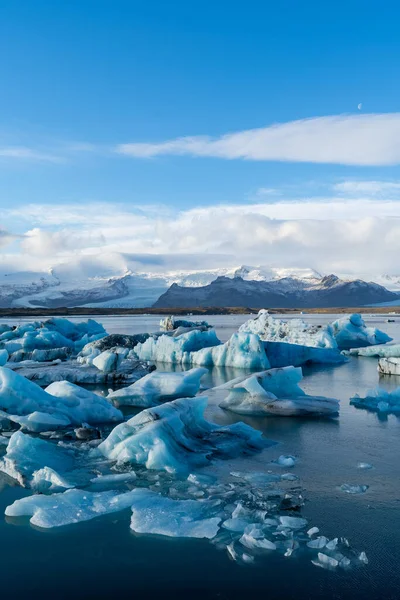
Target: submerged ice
point(379, 400)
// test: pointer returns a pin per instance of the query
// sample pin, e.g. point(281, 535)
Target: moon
point(359, 106)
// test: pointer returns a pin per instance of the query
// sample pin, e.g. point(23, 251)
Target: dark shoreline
point(77, 311)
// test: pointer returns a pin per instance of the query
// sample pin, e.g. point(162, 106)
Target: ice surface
point(379, 400)
point(26, 454)
point(351, 332)
point(382, 351)
point(292, 331)
point(241, 351)
point(282, 354)
point(3, 357)
point(171, 323)
point(175, 437)
point(72, 506)
point(40, 421)
point(354, 489)
point(62, 400)
point(276, 392)
point(389, 366)
point(176, 350)
point(157, 386)
point(155, 514)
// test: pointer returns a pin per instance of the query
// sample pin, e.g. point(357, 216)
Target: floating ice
point(155, 514)
point(72, 506)
point(3, 357)
point(292, 331)
point(319, 542)
point(363, 558)
point(176, 350)
point(351, 332)
point(286, 460)
point(379, 400)
point(171, 323)
point(389, 366)
point(293, 522)
point(354, 489)
point(282, 354)
point(25, 455)
point(364, 465)
point(241, 351)
point(175, 437)
point(276, 392)
point(253, 543)
point(62, 400)
point(157, 386)
point(312, 531)
point(380, 351)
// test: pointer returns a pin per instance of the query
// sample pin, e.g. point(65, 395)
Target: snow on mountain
point(81, 285)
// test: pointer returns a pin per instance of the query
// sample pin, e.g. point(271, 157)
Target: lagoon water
point(103, 559)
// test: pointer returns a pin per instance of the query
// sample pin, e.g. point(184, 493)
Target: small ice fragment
point(293, 522)
point(363, 558)
point(235, 525)
point(327, 560)
point(345, 562)
point(247, 558)
point(251, 543)
point(332, 544)
point(364, 465)
point(312, 531)
point(289, 477)
point(232, 552)
point(286, 460)
point(319, 542)
point(354, 489)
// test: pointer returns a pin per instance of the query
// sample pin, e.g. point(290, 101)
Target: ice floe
point(276, 392)
point(380, 351)
point(352, 332)
point(379, 400)
point(175, 437)
point(389, 366)
point(158, 386)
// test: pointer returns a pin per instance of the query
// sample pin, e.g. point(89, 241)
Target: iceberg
point(276, 392)
point(352, 332)
point(72, 506)
point(383, 351)
point(389, 366)
point(62, 400)
point(282, 354)
point(241, 351)
point(175, 437)
point(156, 514)
point(157, 386)
point(292, 331)
point(27, 455)
point(171, 323)
point(379, 400)
point(3, 357)
point(178, 349)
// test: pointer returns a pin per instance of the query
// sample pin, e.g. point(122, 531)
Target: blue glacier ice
point(176, 350)
point(158, 386)
point(175, 437)
point(352, 332)
point(276, 392)
point(282, 354)
point(379, 400)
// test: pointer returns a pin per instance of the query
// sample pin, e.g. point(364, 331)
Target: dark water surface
point(103, 559)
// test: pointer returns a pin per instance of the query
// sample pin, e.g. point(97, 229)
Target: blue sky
point(93, 93)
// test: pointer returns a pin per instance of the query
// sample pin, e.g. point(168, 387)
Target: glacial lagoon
point(102, 558)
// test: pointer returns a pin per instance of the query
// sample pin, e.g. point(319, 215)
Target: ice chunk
point(363, 558)
point(72, 506)
point(47, 480)
point(238, 525)
point(293, 522)
point(171, 323)
point(176, 437)
point(380, 351)
point(62, 400)
point(292, 331)
point(282, 354)
point(351, 332)
point(286, 460)
point(389, 366)
point(312, 531)
point(354, 489)
point(242, 351)
point(110, 360)
point(319, 542)
point(26, 454)
point(276, 392)
point(324, 559)
point(364, 465)
point(3, 357)
point(176, 350)
point(157, 386)
point(155, 514)
point(379, 400)
point(256, 543)
point(40, 421)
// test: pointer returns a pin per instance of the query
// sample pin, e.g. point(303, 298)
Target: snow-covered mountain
point(71, 285)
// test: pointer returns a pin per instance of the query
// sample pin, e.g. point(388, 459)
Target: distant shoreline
point(77, 311)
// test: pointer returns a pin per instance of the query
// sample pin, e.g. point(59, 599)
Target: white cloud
point(330, 235)
point(371, 139)
point(368, 187)
point(25, 153)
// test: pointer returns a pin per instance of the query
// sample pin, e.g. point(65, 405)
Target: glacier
point(379, 400)
point(176, 437)
point(276, 392)
point(292, 331)
point(352, 332)
point(157, 386)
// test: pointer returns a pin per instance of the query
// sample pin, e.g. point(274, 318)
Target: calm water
point(101, 558)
